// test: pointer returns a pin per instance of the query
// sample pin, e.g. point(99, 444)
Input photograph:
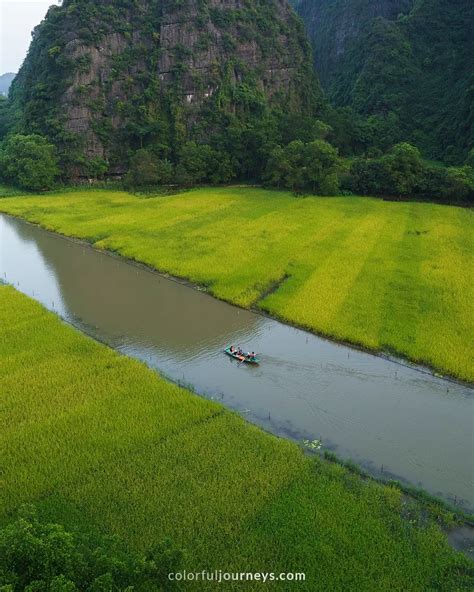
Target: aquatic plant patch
point(387, 276)
point(100, 442)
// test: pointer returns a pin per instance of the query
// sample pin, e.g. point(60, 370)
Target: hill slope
point(407, 62)
point(103, 78)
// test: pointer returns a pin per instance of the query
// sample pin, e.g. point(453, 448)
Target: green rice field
point(393, 277)
point(99, 441)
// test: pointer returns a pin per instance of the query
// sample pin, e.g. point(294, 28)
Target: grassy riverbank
point(387, 276)
point(99, 441)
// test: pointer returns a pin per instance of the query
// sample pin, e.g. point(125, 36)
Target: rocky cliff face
point(109, 77)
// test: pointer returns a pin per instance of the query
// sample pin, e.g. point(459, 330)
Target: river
point(394, 420)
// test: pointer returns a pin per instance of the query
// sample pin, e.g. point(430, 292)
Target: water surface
point(389, 418)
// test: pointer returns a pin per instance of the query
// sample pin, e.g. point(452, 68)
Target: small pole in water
point(269, 417)
point(222, 395)
point(381, 468)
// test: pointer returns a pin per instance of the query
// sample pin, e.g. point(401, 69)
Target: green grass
point(388, 276)
point(99, 441)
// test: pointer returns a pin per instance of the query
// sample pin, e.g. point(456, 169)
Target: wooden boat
point(241, 358)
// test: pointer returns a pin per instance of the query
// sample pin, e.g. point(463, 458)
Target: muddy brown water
point(394, 420)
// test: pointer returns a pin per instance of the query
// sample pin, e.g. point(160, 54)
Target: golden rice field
point(98, 441)
point(387, 276)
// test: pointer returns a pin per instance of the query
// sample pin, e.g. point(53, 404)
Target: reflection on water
point(374, 411)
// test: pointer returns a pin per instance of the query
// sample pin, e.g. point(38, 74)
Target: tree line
point(315, 166)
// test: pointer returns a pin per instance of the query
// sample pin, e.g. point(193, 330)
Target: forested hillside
point(185, 92)
point(405, 63)
point(104, 79)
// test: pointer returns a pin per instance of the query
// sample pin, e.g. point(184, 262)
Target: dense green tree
point(245, 144)
point(368, 176)
point(312, 166)
point(459, 184)
point(399, 172)
point(251, 145)
point(29, 161)
point(404, 167)
point(36, 556)
point(147, 170)
point(290, 165)
point(198, 163)
point(5, 117)
point(321, 161)
point(192, 166)
point(403, 172)
point(96, 167)
point(302, 127)
point(195, 163)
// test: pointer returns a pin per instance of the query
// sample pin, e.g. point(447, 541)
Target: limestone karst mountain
point(103, 78)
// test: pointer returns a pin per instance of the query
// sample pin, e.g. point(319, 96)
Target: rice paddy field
point(387, 276)
point(99, 441)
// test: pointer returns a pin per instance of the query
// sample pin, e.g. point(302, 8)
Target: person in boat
point(251, 356)
point(232, 349)
point(240, 352)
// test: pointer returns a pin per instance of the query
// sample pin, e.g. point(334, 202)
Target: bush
point(200, 163)
point(399, 172)
point(146, 170)
point(39, 557)
point(192, 166)
point(6, 117)
point(311, 167)
point(29, 162)
point(403, 172)
point(459, 184)
point(368, 176)
point(97, 167)
point(434, 182)
point(404, 167)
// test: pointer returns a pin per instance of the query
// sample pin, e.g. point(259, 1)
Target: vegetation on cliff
point(104, 79)
point(404, 67)
point(195, 91)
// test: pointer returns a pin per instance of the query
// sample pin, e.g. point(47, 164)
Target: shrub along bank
point(315, 166)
